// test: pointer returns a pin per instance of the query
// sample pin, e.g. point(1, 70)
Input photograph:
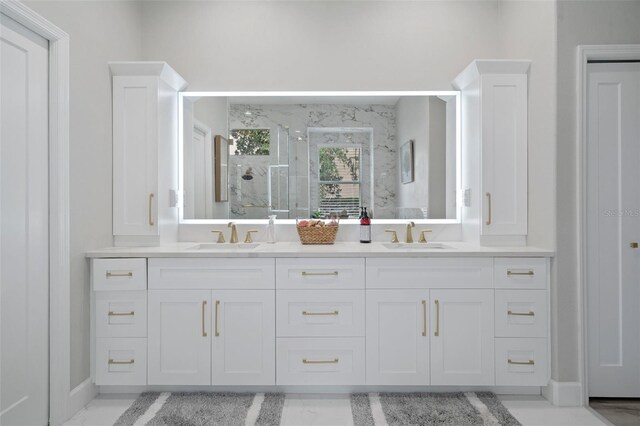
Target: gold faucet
point(423, 239)
point(409, 236)
point(220, 236)
point(234, 233)
point(394, 235)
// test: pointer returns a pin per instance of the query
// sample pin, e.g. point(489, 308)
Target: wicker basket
point(318, 234)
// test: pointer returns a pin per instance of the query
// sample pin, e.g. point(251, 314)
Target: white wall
point(99, 32)
point(413, 124)
point(579, 23)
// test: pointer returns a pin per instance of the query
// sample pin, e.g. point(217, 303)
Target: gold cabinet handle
point(151, 222)
point(437, 332)
point(310, 274)
point(217, 332)
point(204, 323)
point(527, 273)
point(522, 314)
point(424, 317)
point(320, 361)
point(633, 245)
point(121, 361)
point(320, 313)
point(488, 222)
point(119, 274)
point(529, 362)
point(121, 314)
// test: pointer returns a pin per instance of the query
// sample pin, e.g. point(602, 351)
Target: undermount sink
point(416, 246)
point(223, 246)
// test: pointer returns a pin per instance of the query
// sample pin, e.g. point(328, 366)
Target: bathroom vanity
point(339, 316)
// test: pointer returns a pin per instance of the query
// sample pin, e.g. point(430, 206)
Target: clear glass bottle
point(271, 229)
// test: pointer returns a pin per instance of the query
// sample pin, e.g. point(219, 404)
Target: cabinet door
point(504, 154)
point(462, 337)
point(397, 337)
point(179, 337)
point(135, 155)
point(243, 338)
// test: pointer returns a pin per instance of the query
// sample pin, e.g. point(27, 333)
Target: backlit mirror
point(298, 155)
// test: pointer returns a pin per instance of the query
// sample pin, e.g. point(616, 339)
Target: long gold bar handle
point(530, 362)
point(437, 332)
point(119, 274)
point(217, 332)
point(309, 274)
point(320, 361)
point(151, 222)
point(522, 314)
point(121, 314)
point(488, 222)
point(527, 274)
point(424, 317)
point(204, 323)
point(320, 313)
point(120, 362)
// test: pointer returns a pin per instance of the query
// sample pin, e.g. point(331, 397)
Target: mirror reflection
point(248, 157)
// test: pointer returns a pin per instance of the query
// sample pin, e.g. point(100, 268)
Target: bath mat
point(204, 409)
point(455, 409)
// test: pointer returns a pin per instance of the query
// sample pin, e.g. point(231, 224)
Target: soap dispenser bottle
point(271, 229)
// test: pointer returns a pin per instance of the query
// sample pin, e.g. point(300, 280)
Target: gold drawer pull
point(204, 328)
point(121, 362)
point(530, 362)
point(216, 331)
point(151, 222)
point(437, 332)
point(121, 314)
point(488, 222)
point(522, 314)
point(528, 273)
point(310, 274)
point(320, 313)
point(119, 274)
point(320, 361)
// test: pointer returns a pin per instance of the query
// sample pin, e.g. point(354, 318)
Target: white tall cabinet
point(145, 152)
point(494, 118)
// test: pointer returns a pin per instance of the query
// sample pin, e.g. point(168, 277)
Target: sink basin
point(223, 246)
point(416, 246)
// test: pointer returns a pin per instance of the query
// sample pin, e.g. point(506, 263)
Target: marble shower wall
point(305, 119)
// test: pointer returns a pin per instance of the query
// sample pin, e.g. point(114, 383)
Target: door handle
point(151, 222)
point(204, 329)
point(217, 332)
point(437, 332)
point(424, 317)
point(488, 222)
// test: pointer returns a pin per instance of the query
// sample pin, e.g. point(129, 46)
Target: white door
point(135, 155)
point(462, 337)
point(244, 336)
point(504, 154)
point(24, 226)
point(179, 328)
point(397, 337)
point(613, 225)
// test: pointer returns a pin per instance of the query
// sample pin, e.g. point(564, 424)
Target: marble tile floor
point(335, 410)
point(620, 412)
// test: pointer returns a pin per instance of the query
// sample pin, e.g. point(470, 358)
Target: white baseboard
point(80, 396)
point(564, 394)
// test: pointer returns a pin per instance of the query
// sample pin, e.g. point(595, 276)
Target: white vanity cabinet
point(285, 321)
point(495, 123)
point(144, 150)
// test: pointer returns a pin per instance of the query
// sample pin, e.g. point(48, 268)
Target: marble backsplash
point(372, 126)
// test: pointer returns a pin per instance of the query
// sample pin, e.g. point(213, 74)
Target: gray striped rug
point(455, 409)
point(204, 408)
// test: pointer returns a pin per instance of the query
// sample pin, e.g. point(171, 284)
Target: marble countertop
point(340, 249)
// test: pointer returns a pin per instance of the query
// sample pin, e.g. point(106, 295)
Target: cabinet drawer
point(121, 314)
point(521, 362)
point(219, 273)
point(315, 313)
point(430, 273)
point(321, 274)
point(521, 313)
point(119, 274)
point(320, 361)
point(528, 273)
point(121, 361)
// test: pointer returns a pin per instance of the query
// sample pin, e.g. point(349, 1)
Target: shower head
point(248, 174)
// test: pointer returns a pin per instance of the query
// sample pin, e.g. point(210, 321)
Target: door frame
point(63, 401)
point(617, 52)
